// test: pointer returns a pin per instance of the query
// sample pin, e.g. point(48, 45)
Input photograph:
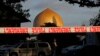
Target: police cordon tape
point(50, 29)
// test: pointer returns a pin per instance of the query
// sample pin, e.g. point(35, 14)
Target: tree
point(96, 20)
point(49, 25)
point(82, 3)
point(10, 8)
point(11, 12)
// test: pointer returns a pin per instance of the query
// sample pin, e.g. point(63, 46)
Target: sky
point(72, 15)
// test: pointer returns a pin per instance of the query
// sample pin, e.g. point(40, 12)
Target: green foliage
point(49, 25)
point(96, 20)
point(82, 3)
point(10, 8)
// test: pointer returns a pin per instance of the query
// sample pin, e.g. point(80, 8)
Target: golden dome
point(48, 16)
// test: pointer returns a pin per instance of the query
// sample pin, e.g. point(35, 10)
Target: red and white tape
point(50, 29)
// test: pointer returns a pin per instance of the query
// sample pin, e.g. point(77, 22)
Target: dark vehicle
point(66, 51)
point(77, 50)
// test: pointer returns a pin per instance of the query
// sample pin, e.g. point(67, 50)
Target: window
point(24, 45)
point(27, 45)
point(42, 44)
point(31, 45)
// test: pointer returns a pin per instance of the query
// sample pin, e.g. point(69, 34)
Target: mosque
point(49, 18)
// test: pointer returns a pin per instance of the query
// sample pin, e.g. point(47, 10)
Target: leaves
point(13, 1)
point(96, 20)
point(82, 3)
point(12, 8)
